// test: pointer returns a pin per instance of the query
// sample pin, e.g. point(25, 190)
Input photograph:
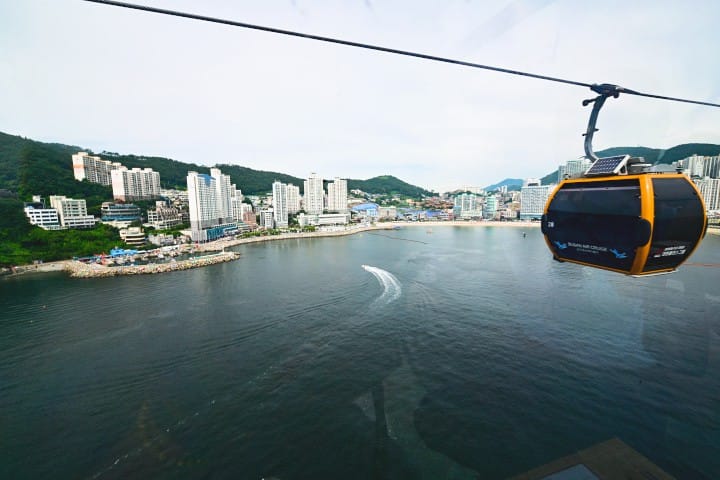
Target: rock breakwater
point(83, 270)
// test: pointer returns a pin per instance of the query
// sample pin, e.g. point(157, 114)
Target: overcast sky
point(126, 81)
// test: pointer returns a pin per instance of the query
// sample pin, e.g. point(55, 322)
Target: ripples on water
point(466, 353)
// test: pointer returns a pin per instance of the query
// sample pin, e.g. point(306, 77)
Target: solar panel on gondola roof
point(620, 215)
point(607, 165)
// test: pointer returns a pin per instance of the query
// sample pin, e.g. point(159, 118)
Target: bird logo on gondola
point(618, 254)
point(560, 245)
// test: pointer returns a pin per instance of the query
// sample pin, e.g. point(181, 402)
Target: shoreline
point(220, 245)
point(468, 223)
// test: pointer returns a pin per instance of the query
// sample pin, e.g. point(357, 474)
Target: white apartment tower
point(337, 196)
point(573, 168)
point(699, 166)
point(202, 202)
point(710, 191)
point(293, 196)
point(533, 197)
point(225, 192)
point(236, 201)
point(135, 184)
point(314, 195)
point(467, 205)
point(209, 203)
point(93, 169)
point(280, 204)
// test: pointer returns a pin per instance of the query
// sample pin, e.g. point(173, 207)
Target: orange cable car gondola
point(623, 215)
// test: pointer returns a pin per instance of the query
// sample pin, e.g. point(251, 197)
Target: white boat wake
point(391, 285)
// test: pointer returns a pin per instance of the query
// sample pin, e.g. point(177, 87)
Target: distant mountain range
point(652, 155)
point(511, 183)
point(30, 167)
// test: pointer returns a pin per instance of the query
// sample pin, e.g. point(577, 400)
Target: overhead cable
point(378, 48)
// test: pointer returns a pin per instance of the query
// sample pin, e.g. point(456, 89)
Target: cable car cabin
point(622, 218)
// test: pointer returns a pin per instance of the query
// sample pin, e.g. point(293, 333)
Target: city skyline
point(203, 93)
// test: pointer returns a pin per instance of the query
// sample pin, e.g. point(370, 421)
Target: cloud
point(118, 80)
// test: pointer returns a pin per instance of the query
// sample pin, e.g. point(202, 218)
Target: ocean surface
point(447, 353)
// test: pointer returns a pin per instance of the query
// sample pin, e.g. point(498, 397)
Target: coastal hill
point(30, 167)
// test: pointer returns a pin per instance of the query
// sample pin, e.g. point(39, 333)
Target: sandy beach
point(230, 242)
point(460, 223)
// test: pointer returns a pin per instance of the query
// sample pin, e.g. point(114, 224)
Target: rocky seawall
point(83, 270)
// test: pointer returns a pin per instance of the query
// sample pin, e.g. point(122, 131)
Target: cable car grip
point(604, 90)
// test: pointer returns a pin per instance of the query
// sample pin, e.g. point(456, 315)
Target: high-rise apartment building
point(573, 168)
point(236, 201)
point(314, 195)
point(72, 212)
point(267, 218)
point(533, 197)
point(467, 206)
point(700, 166)
point(209, 204)
point(293, 195)
point(225, 192)
point(491, 206)
point(280, 204)
point(93, 169)
point(338, 196)
point(135, 184)
point(710, 191)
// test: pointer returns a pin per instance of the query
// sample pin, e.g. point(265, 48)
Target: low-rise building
point(366, 210)
point(45, 218)
point(119, 212)
point(164, 217)
point(133, 236)
point(387, 213)
point(323, 219)
point(72, 212)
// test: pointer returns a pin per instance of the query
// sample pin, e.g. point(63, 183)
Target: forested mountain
point(30, 167)
point(389, 185)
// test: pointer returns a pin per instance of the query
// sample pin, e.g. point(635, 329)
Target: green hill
point(388, 185)
point(30, 167)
